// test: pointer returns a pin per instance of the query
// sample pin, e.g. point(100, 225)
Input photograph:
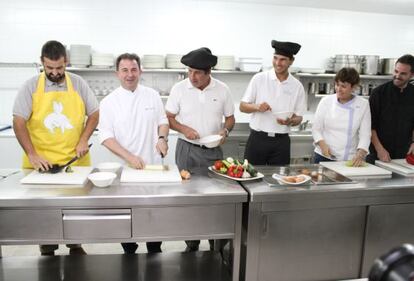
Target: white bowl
point(283, 114)
point(102, 179)
point(211, 141)
point(109, 166)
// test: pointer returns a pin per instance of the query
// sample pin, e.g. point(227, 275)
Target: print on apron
point(57, 119)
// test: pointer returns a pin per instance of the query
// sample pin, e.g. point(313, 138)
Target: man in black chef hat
point(276, 101)
point(195, 108)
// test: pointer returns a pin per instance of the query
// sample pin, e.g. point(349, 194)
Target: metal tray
point(319, 175)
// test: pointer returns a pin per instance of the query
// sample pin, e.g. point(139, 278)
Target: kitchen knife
point(56, 168)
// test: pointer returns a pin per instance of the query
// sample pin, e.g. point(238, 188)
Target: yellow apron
point(56, 124)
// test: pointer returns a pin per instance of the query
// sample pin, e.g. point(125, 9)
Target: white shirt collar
point(210, 85)
point(274, 77)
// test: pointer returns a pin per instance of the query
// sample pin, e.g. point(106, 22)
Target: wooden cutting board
point(133, 175)
point(356, 172)
point(78, 177)
point(399, 166)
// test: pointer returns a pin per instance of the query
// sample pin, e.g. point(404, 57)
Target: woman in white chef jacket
point(342, 124)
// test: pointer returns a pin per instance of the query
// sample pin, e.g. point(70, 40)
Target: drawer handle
point(95, 217)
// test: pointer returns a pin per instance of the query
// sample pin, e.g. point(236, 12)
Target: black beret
point(287, 49)
point(199, 59)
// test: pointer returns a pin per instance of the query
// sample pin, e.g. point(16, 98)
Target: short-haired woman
point(342, 124)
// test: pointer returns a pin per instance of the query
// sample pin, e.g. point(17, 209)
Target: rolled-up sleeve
point(318, 121)
point(365, 129)
point(106, 122)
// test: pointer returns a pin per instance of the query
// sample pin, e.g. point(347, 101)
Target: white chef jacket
point(287, 95)
point(202, 110)
point(132, 118)
point(344, 127)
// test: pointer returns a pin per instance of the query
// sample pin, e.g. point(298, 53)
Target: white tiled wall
point(177, 26)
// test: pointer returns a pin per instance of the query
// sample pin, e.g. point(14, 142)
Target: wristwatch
point(163, 137)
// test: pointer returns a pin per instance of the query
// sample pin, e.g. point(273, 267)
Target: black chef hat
point(287, 49)
point(199, 59)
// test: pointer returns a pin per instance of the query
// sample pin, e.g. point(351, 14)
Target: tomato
point(218, 164)
point(410, 159)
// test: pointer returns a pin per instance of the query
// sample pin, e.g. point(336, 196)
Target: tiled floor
point(96, 249)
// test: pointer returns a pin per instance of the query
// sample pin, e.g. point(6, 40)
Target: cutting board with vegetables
point(367, 171)
point(399, 166)
point(151, 175)
point(78, 176)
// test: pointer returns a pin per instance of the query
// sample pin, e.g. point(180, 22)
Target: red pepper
point(235, 171)
point(410, 159)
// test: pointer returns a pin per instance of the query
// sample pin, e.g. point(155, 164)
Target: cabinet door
point(321, 244)
point(184, 221)
point(34, 225)
point(388, 226)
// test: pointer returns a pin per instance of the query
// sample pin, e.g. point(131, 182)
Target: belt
point(196, 145)
point(266, 134)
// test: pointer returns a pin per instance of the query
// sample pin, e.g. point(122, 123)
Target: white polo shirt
point(288, 95)
point(344, 127)
point(202, 110)
point(132, 118)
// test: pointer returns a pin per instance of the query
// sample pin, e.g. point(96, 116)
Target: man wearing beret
point(195, 108)
point(271, 92)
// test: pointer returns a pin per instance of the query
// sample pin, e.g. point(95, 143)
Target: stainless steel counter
point(324, 232)
point(201, 208)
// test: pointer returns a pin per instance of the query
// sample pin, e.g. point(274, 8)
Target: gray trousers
point(195, 158)
point(51, 248)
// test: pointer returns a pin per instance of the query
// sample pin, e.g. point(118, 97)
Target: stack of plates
point(80, 55)
point(225, 63)
point(250, 64)
point(153, 61)
point(174, 61)
point(102, 60)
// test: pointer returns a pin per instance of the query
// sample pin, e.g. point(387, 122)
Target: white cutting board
point(367, 171)
point(133, 175)
point(78, 177)
point(399, 166)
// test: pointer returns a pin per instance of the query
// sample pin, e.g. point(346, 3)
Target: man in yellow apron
point(49, 118)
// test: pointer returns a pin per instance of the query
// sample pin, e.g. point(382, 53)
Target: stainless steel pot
point(370, 65)
point(388, 65)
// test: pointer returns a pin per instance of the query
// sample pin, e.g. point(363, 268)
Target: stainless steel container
point(370, 65)
point(388, 65)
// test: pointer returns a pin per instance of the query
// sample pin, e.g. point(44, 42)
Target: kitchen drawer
point(97, 224)
point(182, 221)
point(29, 224)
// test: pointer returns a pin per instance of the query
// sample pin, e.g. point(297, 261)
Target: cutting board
point(369, 171)
point(133, 175)
point(399, 166)
point(78, 177)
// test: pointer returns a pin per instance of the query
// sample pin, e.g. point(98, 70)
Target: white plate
point(283, 114)
point(280, 179)
point(258, 176)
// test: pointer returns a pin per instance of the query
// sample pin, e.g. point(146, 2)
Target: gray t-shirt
point(23, 102)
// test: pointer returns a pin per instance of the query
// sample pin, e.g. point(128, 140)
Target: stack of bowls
point(174, 61)
point(342, 61)
point(101, 60)
point(225, 63)
point(153, 61)
point(80, 55)
point(250, 64)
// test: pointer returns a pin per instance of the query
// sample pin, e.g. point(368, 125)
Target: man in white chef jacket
point(196, 108)
point(271, 92)
point(133, 124)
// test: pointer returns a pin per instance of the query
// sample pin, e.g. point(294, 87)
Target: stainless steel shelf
point(197, 266)
point(332, 75)
point(157, 70)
